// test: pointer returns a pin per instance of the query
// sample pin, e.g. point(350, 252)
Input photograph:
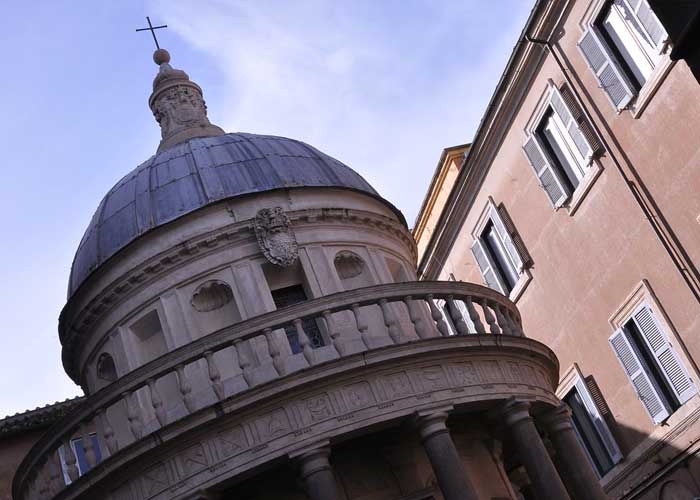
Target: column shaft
point(571, 459)
point(444, 458)
point(531, 450)
point(317, 475)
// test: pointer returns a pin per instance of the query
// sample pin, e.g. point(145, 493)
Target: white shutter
point(649, 394)
point(649, 22)
point(597, 419)
point(666, 358)
point(567, 117)
point(549, 178)
point(488, 270)
point(606, 69)
point(506, 239)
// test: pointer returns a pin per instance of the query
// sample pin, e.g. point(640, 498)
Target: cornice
point(523, 65)
point(75, 323)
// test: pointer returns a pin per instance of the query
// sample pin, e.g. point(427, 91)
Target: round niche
point(211, 295)
point(106, 369)
point(348, 264)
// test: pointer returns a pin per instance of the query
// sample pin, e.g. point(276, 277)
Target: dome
point(197, 173)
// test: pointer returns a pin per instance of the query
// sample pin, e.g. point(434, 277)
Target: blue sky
point(382, 85)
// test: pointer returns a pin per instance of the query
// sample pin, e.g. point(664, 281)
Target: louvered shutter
point(515, 236)
point(586, 128)
point(488, 270)
point(597, 419)
point(549, 178)
point(649, 22)
point(649, 394)
point(562, 109)
point(667, 359)
point(606, 69)
point(506, 239)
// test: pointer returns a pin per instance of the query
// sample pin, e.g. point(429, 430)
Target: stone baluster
point(157, 403)
point(361, 324)
point(274, 351)
point(444, 458)
point(88, 446)
point(474, 315)
point(501, 318)
point(71, 461)
point(570, 456)
point(243, 361)
point(390, 321)
point(515, 325)
point(108, 432)
point(43, 482)
point(214, 375)
point(133, 415)
point(55, 480)
point(333, 332)
point(437, 316)
point(304, 341)
point(456, 315)
point(414, 313)
point(185, 388)
point(316, 474)
point(489, 317)
point(531, 450)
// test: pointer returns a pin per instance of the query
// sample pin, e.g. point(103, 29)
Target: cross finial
point(152, 29)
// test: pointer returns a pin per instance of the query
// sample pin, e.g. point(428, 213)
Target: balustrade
point(396, 306)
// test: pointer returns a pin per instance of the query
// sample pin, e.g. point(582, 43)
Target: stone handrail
point(473, 309)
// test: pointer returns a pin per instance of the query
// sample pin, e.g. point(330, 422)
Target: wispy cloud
point(382, 86)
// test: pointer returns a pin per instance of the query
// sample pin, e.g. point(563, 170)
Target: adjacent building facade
point(578, 199)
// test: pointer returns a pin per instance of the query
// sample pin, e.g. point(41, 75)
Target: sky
point(381, 85)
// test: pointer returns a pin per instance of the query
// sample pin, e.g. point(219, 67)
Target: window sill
point(584, 187)
point(520, 286)
point(652, 85)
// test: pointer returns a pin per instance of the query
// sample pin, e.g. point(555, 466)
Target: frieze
point(245, 437)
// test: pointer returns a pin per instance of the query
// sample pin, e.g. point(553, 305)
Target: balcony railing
point(405, 312)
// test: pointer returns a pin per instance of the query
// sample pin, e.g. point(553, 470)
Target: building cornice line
point(523, 65)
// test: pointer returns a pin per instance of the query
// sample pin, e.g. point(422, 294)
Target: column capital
point(312, 460)
point(431, 422)
point(557, 419)
point(511, 412)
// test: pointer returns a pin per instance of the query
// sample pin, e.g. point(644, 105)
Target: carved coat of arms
point(276, 237)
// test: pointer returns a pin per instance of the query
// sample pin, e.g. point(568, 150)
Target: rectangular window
point(80, 454)
point(652, 365)
point(561, 146)
point(623, 46)
point(288, 296)
point(591, 429)
point(498, 251)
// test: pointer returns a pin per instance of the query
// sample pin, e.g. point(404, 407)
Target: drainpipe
point(678, 256)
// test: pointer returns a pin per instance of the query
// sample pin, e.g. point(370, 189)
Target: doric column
point(571, 459)
point(316, 474)
point(531, 450)
point(444, 458)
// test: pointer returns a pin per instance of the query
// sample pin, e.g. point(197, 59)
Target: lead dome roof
point(197, 173)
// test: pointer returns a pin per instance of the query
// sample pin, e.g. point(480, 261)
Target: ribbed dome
point(194, 174)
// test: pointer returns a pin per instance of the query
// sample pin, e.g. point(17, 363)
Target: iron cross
point(152, 29)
